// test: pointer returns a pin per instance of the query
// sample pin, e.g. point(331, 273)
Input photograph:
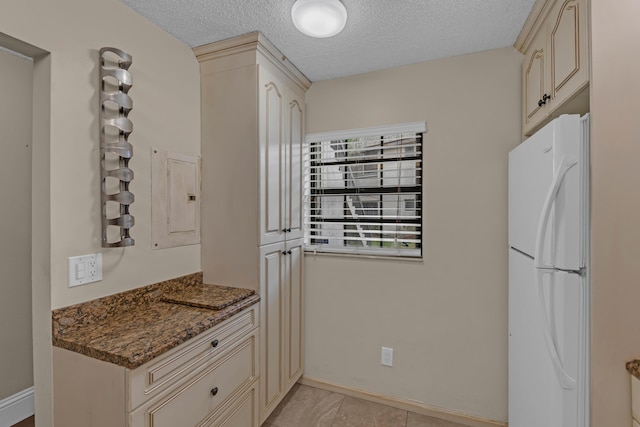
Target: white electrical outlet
point(84, 269)
point(387, 356)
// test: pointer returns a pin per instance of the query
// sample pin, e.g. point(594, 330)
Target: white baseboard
point(407, 405)
point(16, 408)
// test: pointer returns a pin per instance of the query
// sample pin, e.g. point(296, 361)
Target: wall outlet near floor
point(85, 269)
point(387, 356)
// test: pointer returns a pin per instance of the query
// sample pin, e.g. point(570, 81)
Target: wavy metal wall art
point(115, 149)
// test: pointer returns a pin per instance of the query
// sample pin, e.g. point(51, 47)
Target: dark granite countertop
point(132, 328)
point(634, 368)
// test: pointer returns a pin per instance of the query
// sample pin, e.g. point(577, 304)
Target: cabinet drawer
point(176, 365)
point(242, 412)
point(193, 401)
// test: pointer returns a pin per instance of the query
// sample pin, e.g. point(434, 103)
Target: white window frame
point(315, 138)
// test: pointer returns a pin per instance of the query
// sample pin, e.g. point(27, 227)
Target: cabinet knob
point(214, 343)
point(284, 252)
point(544, 99)
point(288, 230)
point(214, 391)
point(289, 252)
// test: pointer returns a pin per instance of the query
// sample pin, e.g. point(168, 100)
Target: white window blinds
point(363, 191)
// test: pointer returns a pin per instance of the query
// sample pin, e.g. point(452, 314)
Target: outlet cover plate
point(387, 356)
point(84, 269)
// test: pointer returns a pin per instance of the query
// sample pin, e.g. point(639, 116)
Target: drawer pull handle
point(214, 343)
point(214, 391)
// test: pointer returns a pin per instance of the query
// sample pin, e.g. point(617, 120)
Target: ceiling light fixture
point(319, 18)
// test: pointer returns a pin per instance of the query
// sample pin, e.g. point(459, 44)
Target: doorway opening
point(25, 79)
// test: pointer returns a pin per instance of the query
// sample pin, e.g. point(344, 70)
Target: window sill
point(313, 254)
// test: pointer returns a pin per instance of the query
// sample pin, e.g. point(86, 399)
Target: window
point(363, 191)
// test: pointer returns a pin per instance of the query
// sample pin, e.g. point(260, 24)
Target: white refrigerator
point(549, 276)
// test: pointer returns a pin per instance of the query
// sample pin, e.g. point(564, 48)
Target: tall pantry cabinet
point(252, 181)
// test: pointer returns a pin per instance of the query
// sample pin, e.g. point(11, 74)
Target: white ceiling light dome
point(319, 18)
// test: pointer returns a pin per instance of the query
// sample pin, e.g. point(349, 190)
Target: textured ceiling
point(379, 33)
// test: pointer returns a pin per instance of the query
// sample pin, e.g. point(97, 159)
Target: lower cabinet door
point(243, 411)
point(281, 322)
point(294, 302)
point(272, 338)
point(198, 399)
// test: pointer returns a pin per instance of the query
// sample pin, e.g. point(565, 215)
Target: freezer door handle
point(546, 212)
point(565, 379)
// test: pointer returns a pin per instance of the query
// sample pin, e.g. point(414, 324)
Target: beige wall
point(615, 145)
point(166, 96)
point(445, 317)
point(16, 367)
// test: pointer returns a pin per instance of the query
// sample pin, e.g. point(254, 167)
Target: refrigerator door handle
point(546, 213)
point(565, 379)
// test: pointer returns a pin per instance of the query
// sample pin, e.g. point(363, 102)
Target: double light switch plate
point(85, 269)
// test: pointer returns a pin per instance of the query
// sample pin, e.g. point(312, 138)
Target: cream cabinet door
point(294, 183)
point(568, 50)
point(272, 157)
point(534, 82)
point(294, 326)
point(272, 334)
point(281, 324)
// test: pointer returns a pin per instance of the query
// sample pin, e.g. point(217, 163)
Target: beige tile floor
point(306, 406)
point(311, 407)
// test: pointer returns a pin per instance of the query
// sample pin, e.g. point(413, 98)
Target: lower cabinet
point(210, 380)
point(198, 401)
point(282, 328)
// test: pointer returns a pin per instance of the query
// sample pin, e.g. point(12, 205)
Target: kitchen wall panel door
point(272, 158)
point(294, 166)
point(534, 72)
point(568, 47)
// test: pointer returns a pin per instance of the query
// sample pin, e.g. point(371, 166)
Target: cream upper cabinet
point(555, 70)
point(281, 118)
point(253, 116)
